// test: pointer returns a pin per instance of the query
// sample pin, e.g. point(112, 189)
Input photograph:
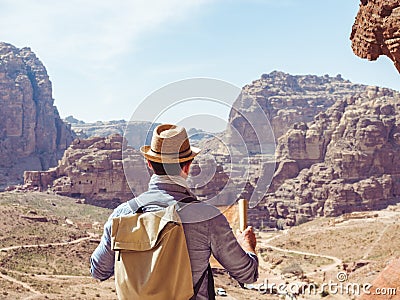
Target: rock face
point(285, 100)
point(91, 169)
point(388, 280)
point(346, 160)
point(376, 30)
point(337, 147)
point(139, 129)
point(32, 135)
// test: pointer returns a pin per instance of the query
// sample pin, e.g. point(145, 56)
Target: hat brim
point(167, 158)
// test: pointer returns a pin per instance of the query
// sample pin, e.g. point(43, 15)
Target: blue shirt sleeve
point(102, 259)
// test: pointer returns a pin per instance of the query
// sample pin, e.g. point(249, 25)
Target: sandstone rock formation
point(338, 155)
point(285, 100)
point(337, 147)
point(105, 128)
point(32, 135)
point(376, 30)
point(91, 169)
point(346, 159)
point(388, 283)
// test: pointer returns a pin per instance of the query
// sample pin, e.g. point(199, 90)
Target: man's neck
point(169, 179)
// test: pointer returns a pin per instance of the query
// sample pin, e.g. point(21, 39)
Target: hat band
point(180, 152)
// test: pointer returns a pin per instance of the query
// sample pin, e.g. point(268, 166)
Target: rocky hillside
point(106, 128)
point(32, 135)
point(345, 160)
point(95, 169)
point(336, 147)
point(376, 30)
point(99, 128)
point(90, 169)
point(285, 100)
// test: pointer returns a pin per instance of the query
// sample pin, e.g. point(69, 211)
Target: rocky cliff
point(90, 169)
point(376, 30)
point(285, 100)
point(344, 161)
point(337, 147)
point(32, 135)
point(105, 128)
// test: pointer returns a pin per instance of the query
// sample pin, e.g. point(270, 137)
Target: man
point(206, 230)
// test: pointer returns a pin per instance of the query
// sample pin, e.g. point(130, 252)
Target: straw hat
point(169, 144)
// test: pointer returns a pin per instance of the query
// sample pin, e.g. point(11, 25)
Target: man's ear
point(186, 168)
point(149, 165)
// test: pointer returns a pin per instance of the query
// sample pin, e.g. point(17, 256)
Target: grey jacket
point(206, 230)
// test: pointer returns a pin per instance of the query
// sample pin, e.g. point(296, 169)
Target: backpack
point(152, 261)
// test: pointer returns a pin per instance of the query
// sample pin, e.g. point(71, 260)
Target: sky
point(105, 57)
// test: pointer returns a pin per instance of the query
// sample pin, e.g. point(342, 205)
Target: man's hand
point(247, 239)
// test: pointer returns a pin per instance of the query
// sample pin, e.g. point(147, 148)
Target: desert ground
point(46, 241)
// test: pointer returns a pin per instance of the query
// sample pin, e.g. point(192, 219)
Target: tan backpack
point(152, 261)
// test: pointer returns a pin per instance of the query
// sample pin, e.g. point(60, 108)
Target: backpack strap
point(189, 199)
point(210, 287)
point(133, 204)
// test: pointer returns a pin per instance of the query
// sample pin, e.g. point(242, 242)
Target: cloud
point(90, 31)
point(85, 45)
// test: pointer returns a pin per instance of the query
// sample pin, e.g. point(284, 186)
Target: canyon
point(336, 150)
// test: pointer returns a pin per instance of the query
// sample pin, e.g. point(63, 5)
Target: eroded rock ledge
point(376, 30)
point(346, 160)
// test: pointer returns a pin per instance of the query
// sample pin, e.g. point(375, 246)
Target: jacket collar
point(171, 185)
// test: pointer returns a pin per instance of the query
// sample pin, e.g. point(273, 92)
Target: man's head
point(170, 152)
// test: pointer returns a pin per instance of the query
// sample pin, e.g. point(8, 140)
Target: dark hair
point(168, 169)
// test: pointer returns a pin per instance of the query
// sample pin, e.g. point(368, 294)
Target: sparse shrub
point(281, 224)
point(294, 268)
point(301, 220)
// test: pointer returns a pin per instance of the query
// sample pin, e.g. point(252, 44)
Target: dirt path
point(336, 260)
point(24, 284)
point(77, 241)
point(376, 242)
